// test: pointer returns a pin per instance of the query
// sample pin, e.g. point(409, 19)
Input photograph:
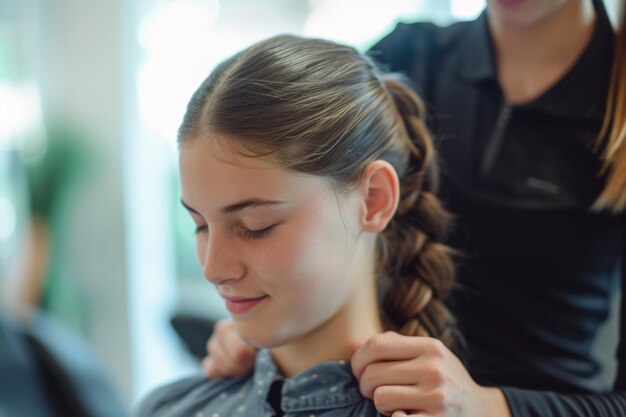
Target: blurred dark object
point(194, 331)
point(48, 371)
point(22, 391)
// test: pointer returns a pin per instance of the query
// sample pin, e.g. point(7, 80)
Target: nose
point(220, 259)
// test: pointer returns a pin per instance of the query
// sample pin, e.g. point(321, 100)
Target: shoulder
point(180, 397)
point(399, 49)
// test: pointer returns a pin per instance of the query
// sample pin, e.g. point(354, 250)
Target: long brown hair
point(613, 132)
point(321, 108)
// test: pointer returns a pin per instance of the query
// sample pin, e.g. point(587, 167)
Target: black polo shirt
point(539, 268)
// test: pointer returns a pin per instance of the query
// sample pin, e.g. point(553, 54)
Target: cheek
point(289, 262)
point(200, 249)
point(312, 262)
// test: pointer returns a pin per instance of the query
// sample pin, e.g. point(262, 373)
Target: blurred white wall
point(83, 78)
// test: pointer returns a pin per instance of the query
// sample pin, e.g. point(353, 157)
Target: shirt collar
point(582, 92)
point(324, 386)
point(475, 59)
point(577, 94)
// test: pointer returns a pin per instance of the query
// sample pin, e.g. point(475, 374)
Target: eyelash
point(257, 234)
point(248, 234)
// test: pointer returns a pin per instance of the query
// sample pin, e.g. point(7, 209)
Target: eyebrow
point(248, 203)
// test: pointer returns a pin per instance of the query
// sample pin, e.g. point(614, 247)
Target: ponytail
point(613, 196)
point(417, 264)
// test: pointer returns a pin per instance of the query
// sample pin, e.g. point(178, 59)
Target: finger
point(236, 346)
point(401, 413)
point(220, 338)
point(214, 348)
point(391, 346)
point(231, 346)
point(388, 373)
point(239, 364)
point(240, 360)
point(214, 368)
point(354, 346)
point(223, 362)
point(231, 355)
point(391, 398)
point(208, 367)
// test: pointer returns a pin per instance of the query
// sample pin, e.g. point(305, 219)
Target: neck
point(335, 339)
point(530, 59)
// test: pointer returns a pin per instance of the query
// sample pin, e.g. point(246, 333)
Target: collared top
point(326, 390)
point(509, 154)
point(539, 270)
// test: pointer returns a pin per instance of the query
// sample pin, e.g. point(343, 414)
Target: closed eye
point(257, 234)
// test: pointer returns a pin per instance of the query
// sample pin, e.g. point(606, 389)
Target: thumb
point(354, 346)
point(401, 413)
point(208, 367)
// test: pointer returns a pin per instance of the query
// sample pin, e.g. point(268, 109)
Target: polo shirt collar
point(573, 96)
point(582, 92)
point(327, 385)
point(476, 60)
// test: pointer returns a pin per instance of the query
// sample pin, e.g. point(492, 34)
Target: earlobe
point(381, 190)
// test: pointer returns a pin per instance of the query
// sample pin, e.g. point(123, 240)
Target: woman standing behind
point(530, 103)
point(535, 171)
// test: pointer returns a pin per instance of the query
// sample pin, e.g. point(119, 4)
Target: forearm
point(528, 403)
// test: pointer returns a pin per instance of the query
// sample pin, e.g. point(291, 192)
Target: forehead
point(213, 178)
point(207, 160)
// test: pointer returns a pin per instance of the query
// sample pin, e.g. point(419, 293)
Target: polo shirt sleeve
point(392, 50)
point(527, 403)
point(408, 49)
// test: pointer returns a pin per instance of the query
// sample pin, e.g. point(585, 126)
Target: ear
point(381, 189)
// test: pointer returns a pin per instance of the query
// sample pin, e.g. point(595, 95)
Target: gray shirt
point(326, 390)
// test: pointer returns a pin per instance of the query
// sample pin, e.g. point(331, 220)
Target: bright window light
point(466, 9)
point(20, 111)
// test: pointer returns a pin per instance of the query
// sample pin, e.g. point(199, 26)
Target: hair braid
point(417, 265)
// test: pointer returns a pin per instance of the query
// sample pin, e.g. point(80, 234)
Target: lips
point(241, 305)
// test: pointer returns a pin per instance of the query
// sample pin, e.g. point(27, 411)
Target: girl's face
point(522, 13)
point(283, 249)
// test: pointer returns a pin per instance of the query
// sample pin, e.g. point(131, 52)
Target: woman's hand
point(419, 376)
point(228, 354)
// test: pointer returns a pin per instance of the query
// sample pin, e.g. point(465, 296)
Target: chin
point(263, 337)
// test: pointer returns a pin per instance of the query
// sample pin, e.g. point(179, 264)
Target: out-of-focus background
point(91, 95)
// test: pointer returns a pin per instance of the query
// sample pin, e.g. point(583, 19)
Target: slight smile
point(241, 305)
